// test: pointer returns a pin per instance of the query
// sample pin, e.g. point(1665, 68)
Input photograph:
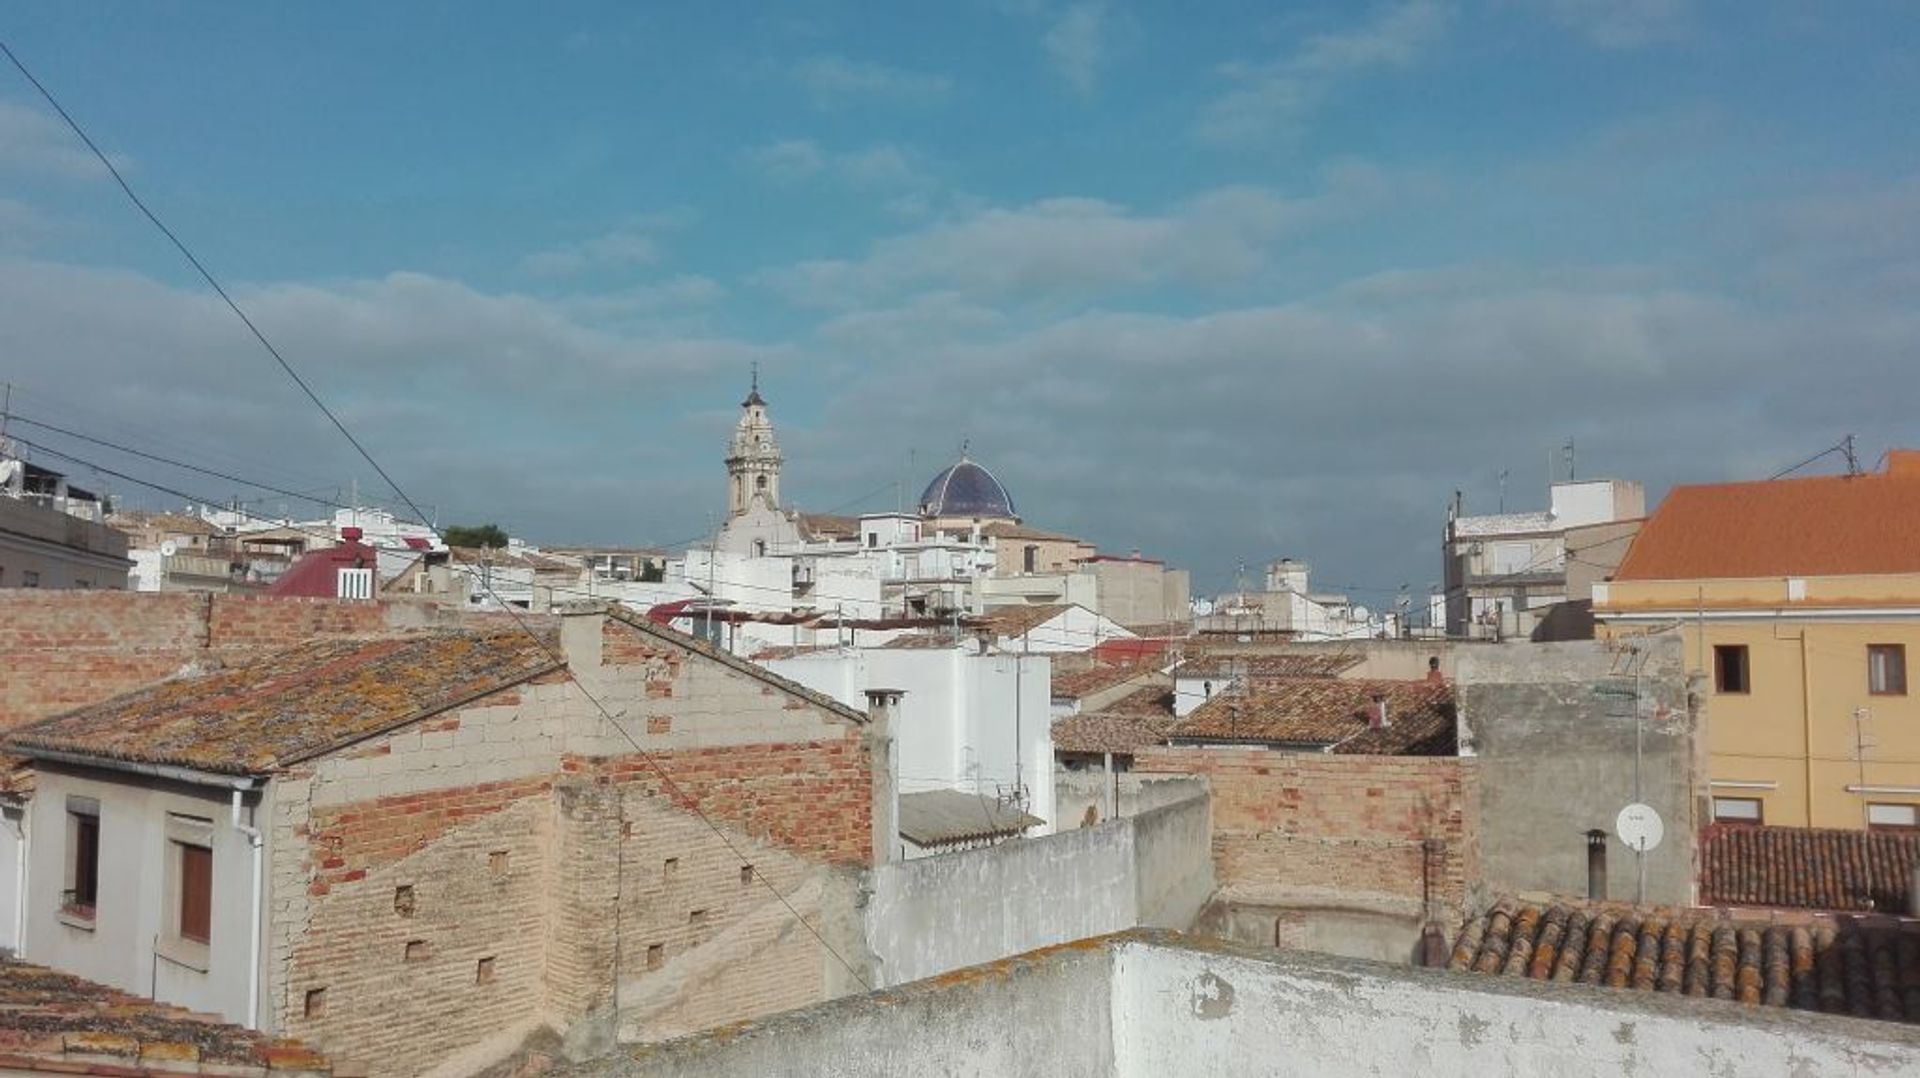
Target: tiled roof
point(789, 651)
point(1003, 529)
point(1153, 701)
point(1806, 867)
point(944, 817)
point(317, 574)
point(515, 559)
point(177, 523)
point(827, 526)
point(1014, 620)
point(922, 641)
point(253, 718)
point(56, 1022)
point(1867, 967)
point(1331, 711)
point(1226, 665)
point(1107, 731)
point(1073, 684)
point(1822, 526)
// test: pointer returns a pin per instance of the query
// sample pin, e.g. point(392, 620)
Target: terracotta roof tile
point(1324, 711)
point(1808, 867)
point(58, 1022)
point(1822, 526)
point(1014, 620)
point(252, 718)
point(1074, 684)
point(1254, 667)
point(1109, 732)
point(1866, 967)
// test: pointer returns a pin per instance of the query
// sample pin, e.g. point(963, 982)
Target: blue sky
point(1261, 280)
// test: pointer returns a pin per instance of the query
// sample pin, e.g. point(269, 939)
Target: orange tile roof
point(57, 1023)
point(1014, 620)
point(1864, 966)
point(1074, 684)
point(1108, 732)
point(253, 718)
point(1822, 526)
point(1330, 711)
point(1817, 868)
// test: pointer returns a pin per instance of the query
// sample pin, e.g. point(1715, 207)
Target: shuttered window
point(196, 892)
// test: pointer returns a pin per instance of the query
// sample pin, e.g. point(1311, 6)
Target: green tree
point(474, 535)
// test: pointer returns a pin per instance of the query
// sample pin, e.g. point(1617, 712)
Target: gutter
point(254, 840)
point(189, 775)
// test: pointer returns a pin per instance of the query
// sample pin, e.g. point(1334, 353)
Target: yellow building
point(1799, 601)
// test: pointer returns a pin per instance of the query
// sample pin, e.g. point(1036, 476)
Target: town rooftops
point(951, 817)
point(317, 574)
point(256, 717)
point(1821, 526)
point(1493, 524)
point(58, 1023)
point(1014, 620)
point(1334, 713)
point(1866, 967)
point(1814, 868)
point(1074, 684)
point(1226, 665)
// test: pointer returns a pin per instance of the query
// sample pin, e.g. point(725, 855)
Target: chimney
point(1377, 717)
point(883, 712)
point(351, 534)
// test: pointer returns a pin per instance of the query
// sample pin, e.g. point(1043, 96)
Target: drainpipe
point(20, 863)
point(253, 934)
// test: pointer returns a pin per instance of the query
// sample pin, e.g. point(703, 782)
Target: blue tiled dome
point(967, 490)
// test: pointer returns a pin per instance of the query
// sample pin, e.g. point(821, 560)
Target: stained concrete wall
point(1553, 726)
point(940, 913)
point(1145, 1005)
point(1074, 792)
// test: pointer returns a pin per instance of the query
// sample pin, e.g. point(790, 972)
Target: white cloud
point(622, 248)
point(1081, 42)
point(1276, 98)
point(876, 167)
point(34, 142)
point(1620, 23)
point(1074, 247)
point(674, 294)
point(834, 81)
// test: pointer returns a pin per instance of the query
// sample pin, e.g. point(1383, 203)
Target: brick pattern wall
point(1354, 825)
point(67, 649)
point(608, 876)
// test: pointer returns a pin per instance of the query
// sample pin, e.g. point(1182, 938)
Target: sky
point(1223, 284)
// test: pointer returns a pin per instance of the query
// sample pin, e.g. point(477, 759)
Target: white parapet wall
point(936, 914)
point(1150, 1004)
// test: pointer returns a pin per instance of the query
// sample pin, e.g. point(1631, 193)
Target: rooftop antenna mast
point(1846, 447)
point(1568, 450)
point(1503, 490)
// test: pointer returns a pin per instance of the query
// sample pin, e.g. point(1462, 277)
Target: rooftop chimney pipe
point(1377, 717)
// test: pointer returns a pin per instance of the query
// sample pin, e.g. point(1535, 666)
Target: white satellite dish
point(168, 547)
point(1639, 827)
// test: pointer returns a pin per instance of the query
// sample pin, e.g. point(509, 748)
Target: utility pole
point(1861, 743)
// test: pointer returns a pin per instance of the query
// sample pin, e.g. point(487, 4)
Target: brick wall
point(1293, 824)
point(530, 833)
point(66, 649)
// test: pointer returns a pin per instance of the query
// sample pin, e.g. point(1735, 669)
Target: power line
point(667, 780)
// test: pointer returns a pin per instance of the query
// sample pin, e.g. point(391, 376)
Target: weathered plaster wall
point(1552, 727)
point(940, 913)
point(1149, 1005)
point(1074, 792)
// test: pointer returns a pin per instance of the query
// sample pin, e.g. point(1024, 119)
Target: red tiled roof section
point(1109, 732)
point(1331, 711)
point(317, 574)
point(1226, 665)
point(1014, 620)
point(1810, 868)
point(51, 1021)
point(253, 718)
point(1868, 967)
point(1073, 684)
point(1823, 526)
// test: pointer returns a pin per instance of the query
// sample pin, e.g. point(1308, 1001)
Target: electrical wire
point(678, 796)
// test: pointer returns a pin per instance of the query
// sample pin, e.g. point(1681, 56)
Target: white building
point(979, 724)
point(1506, 572)
point(53, 535)
point(1288, 606)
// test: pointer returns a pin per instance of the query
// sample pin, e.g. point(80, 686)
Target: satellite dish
point(1639, 827)
point(168, 547)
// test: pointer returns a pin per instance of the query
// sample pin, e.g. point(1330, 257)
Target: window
point(759, 482)
point(29, 579)
point(1745, 810)
point(746, 875)
point(1887, 669)
point(1030, 557)
point(83, 859)
point(196, 892)
point(356, 584)
point(483, 971)
point(316, 1003)
point(83, 584)
point(1893, 817)
point(1730, 671)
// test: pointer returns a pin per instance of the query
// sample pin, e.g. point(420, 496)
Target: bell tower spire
point(753, 457)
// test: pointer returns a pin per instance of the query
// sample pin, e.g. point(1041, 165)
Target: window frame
point(1759, 818)
point(1720, 680)
point(184, 834)
point(1897, 684)
point(82, 867)
point(1913, 812)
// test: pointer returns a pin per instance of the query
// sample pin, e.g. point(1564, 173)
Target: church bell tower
point(753, 457)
